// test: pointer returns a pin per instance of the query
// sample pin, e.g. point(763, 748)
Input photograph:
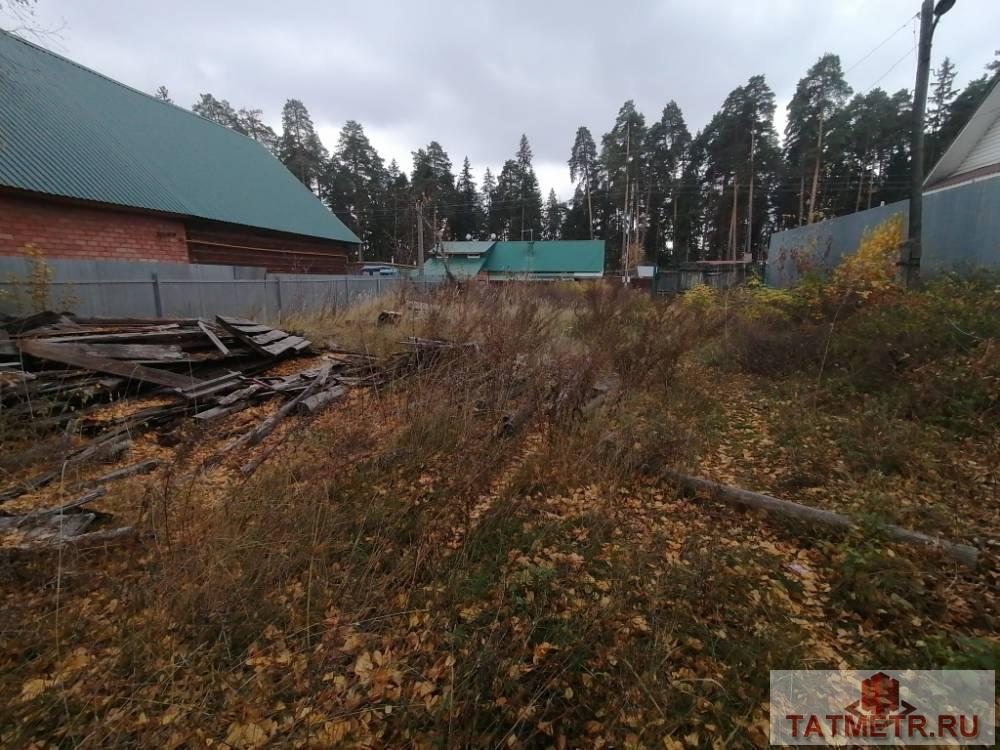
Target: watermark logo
point(884, 707)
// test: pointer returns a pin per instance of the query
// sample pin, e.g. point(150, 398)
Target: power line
point(894, 66)
point(881, 44)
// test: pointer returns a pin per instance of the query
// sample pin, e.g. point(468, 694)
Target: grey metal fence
point(154, 290)
point(961, 232)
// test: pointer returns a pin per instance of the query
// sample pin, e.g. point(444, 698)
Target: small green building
point(542, 260)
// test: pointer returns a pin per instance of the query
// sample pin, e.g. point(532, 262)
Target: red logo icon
point(880, 697)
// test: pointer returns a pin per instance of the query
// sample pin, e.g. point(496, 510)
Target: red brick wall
point(67, 231)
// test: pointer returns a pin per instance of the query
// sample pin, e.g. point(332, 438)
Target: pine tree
point(966, 103)
point(869, 160)
point(553, 217)
point(468, 214)
point(299, 147)
point(491, 220)
point(398, 237)
point(942, 94)
point(817, 100)
point(516, 205)
point(526, 219)
point(583, 170)
point(625, 174)
point(216, 110)
point(667, 145)
point(506, 202)
point(163, 94)
point(251, 123)
point(740, 163)
point(354, 187)
point(433, 183)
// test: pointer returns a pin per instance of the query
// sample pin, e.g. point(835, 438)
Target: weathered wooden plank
point(243, 335)
point(139, 337)
point(270, 337)
point(159, 353)
point(246, 326)
point(318, 401)
point(46, 527)
point(221, 411)
point(141, 467)
point(285, 345)
point(72, 355)
point(213, 338)
point(31, 322)
point(267, 426)
point(77, 503)
point(233, 321)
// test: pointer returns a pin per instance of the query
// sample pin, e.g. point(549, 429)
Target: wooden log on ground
point(962, 553)
point(267, 426)
point(104, 447)
point(93, 540)
point(48, 528)
point(79, 502)
point(142, 467)
point(318, 401)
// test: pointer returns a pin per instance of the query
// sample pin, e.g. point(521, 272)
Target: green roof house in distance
point(93, 169)
point(543, 260)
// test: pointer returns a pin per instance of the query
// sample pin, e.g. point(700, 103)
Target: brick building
point(92, 169)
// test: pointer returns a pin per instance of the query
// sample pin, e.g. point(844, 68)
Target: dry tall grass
point(476, 556)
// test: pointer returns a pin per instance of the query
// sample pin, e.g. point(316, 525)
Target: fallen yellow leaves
point(35, 687)
point(249, 735)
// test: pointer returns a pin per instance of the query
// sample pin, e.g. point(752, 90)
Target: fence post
point(378, 287)
point(347, 292)
point(278, 280)
point(157, 299)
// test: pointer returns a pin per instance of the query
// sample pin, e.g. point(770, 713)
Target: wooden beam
point(68, 354)
point(213, 338)
point(963, 553)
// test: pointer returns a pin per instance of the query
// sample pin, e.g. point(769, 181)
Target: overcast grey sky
point(474, 75)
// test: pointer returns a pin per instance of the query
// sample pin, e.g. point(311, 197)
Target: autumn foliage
point(485, 554)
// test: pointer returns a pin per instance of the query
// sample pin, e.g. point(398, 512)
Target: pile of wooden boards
point(58, 371)
point(54, 364)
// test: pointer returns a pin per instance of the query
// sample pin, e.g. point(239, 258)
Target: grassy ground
point(486, 554)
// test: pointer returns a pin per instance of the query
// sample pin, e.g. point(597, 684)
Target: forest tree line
point(649, 186)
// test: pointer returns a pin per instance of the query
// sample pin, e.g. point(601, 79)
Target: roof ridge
point(133, 89)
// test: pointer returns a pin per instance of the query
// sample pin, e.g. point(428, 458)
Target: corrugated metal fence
point(154, 290)
point(961, 232)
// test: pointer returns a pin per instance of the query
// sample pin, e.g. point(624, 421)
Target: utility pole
point(590, 207)
point(909, 261)
point(731, 250)
point(625, 217)
point(420, 237)
point(753, 145)
point(819, 160)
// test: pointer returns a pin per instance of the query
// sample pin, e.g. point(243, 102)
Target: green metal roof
point(461, 268)
point(68, 131)
point(551, 257)
point(467, 247)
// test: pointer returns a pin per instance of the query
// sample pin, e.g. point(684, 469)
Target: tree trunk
point(732, 222)
point(590, 208)
point(962, 553)
point(802, 197)
point(819, 159)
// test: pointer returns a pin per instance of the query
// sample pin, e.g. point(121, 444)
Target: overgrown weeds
point(479, 556)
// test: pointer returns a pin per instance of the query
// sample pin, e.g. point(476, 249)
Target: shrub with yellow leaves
point(701, 296)
point(870, 271)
